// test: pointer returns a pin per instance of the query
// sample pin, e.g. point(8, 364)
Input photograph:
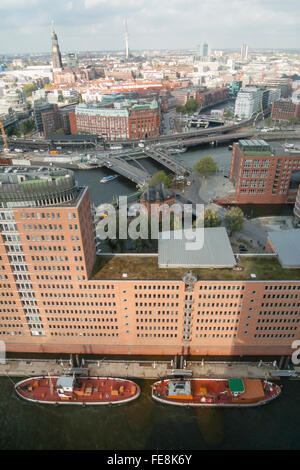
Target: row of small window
point(283, 287)
point(80, 319)
point(156, 304)
point(217, 328)
point(157, 335)
point(97, 286)
point(157, 287)
point(221, 296)
point(157, 312)
point(221, 287)
point(47, 238)
point(215, 313)
point(252, 191)
point(83, 327)
point(13, 333)
point(158, 328)
point(279, 328)
point(288, 312)
point(213, 304)
point(43, 215)
point(278, 320)
point(158, 320)
point(156, 296)
point(83, 304)
point(47, 248)
point(204, 335)
point(278, 304)
point(50, 258)
point(211, 320)
point(42, 227)
point(80, 312)
point(84, 334)
point(274, 336)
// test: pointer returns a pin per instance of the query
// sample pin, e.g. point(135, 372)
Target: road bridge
point(118, 165)
point(164, 158)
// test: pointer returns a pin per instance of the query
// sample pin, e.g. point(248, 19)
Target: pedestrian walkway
point(136, 369)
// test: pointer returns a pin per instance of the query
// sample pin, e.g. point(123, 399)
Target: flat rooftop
point(257, 147)
point(145, 268)
point(216, 251)
point(286, 243)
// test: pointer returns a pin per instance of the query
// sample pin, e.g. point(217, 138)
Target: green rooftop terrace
point(145, 268)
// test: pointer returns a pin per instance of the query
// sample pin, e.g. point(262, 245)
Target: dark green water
point(145, 424)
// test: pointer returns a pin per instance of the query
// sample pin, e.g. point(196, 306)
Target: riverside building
point(58, 296)
point(264, 173)
point(132, 121)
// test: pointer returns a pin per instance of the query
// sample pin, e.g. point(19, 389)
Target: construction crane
point(5, 145)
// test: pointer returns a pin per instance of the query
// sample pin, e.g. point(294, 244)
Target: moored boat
point(68, 389)
point(215, 392)
point(106, 179)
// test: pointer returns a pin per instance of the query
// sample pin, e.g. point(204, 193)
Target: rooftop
point(214, 250)
point(145, 268)
point(287, 246)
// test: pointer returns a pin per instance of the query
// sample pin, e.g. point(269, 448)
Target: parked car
point(243, 248)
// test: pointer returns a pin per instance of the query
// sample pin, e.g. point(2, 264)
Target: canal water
point(146, 424)
point(103, 193)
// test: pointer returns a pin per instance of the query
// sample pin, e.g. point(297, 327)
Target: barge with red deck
point(78, 390)
point(215, 392)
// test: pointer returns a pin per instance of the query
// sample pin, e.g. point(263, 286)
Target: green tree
point(234, 219)
point(27, 126)
point(206, 166)
point(211, 218)
point(192, 105)
point(29, 88)
point(11, 130)
point(293, 120)
point(60, 131)
point(159, 177)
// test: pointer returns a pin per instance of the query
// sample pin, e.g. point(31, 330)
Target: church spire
point(56, 55)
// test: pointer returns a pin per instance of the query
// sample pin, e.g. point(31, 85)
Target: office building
point(57, 296)
point(244, 52)
point(248, 102)
point(140, 120)
point(264, 173)
point(285, 110)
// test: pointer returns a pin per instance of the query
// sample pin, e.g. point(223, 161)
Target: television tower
point(126, 40)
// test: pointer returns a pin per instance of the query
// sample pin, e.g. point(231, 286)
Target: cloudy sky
point(153, 24)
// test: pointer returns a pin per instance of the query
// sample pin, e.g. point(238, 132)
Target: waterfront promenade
point(136, 369)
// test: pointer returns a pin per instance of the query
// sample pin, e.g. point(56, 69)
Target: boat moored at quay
point(72, 390)
point(215, 392)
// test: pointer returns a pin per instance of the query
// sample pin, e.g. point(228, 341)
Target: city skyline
point(97, 25)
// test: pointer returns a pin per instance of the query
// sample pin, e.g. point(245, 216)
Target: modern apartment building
point(57, 296)
point(264, 173)
point(248, 102)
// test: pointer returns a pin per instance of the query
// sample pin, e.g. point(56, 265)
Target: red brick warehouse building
point(264, 173)
point(131, 122)
point(57, 296)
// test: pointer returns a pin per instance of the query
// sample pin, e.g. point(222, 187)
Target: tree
point(27, 126)
point(29, 88)
point(293, 120)
point(60, 131)
point(159, 177)
point(211, 218)
point(206, 166)
point(234, 219)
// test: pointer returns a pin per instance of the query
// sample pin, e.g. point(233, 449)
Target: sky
point(25, 25)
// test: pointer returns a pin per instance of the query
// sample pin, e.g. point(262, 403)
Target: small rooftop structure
point(182, 388)
point(156, 193)
point(286, 244)
point(215, 252)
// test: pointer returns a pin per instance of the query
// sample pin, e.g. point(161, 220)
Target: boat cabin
point(65, 385)
point(180, 389)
